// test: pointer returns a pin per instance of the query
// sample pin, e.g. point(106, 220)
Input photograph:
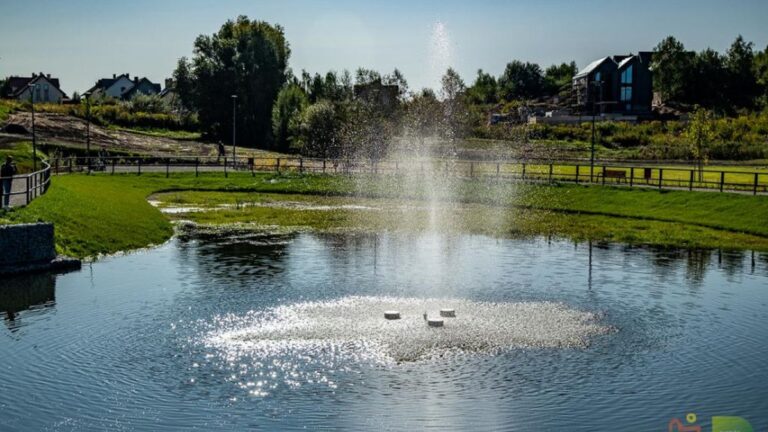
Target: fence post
point(301, 165)
point(661, 176)
point(603, 175)
point(550, 173)
point(139, 173)
point(631, 176)
point(754, 189)
point(722, 180)
point(323, 166)
point(577, 174)
point(197, 164)
point(167, 167)
point(690, 181)
point(278, 165)
point(29, 199)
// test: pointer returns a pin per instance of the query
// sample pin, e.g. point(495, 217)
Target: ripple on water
point(354, 328)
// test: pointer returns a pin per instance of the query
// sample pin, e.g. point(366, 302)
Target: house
point(168, 94)
point(122, 87)
point(40, 86)
point(621, 84)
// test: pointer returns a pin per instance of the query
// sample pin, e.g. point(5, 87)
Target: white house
point(40, 86)
point(122, 87)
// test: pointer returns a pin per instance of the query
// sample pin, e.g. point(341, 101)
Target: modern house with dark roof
point(40, 86)
point(122, 87)
point(621, 84)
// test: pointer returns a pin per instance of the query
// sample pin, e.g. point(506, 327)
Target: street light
point(88, 129)
point(34, 135)
point(234, 130)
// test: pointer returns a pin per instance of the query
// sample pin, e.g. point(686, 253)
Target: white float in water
point(434, 322)
point(392, 315)
point(448, 313)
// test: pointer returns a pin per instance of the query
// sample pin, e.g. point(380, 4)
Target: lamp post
point(234, 130)
point(597, 84)
point(34, 135)
point(88, 129)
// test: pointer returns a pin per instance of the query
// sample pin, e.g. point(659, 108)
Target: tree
point(184, 85)
point(455, 114)
point(244, 58)
point(484, 90)
point(289, 106)
point(423, 117)
point(521, 81)
point(671, 64)
point(741, 85)
point(700, 132)
point(320, 130)
point(761, 75)
point(706, 80)
point(558, 78)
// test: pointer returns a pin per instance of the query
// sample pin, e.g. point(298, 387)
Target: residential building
point(122, 87)
point(40, 86)
point(621, 84)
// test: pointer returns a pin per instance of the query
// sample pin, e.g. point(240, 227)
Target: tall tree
point(244, 58)
point(705, 84)
point(742, 85)
point(558, 78)
point(671, 64)
point(289, 106)
point(484, 90)
point(701, 132)
point(521, 81)
point(761, 74)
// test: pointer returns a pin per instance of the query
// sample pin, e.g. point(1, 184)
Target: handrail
point(35, 185)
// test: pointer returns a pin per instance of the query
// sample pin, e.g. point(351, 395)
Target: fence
point(27, 187)
point(661, 177)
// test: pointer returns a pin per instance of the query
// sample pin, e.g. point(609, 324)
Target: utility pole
point(34, 135)
point(88, 130)
point(234, 131)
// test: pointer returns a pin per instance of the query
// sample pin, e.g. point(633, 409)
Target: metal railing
point(26, 187)
point(541, 171)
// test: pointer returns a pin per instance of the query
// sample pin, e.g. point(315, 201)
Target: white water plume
point(355, 327)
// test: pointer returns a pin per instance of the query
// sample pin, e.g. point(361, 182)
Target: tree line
point(325, 114)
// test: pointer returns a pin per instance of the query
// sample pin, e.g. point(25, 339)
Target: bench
point(616, 174)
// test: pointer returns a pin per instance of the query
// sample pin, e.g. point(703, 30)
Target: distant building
point(620, 85)
point(40, 86)
point(168, 94)
point(378, 93)
point(122, 87)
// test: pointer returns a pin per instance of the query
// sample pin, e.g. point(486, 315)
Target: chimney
point(34, 75)
point(114, 76)
point(48, 76)
point(136, 80)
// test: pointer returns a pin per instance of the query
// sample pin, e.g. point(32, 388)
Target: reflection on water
point(34, 293)
point(235, 330)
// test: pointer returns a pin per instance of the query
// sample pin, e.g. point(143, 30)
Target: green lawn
point(22, 155)
point(104, 214)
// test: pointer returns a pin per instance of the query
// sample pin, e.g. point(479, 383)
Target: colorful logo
point(719, 424)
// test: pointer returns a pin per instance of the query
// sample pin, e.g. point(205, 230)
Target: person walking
point(7, 171)
point(222, 152)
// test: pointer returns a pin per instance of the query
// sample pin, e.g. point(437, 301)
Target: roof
point(16, 85)
point(136, 88)
point(626, 61)
point(591, 67)
point(106, 83)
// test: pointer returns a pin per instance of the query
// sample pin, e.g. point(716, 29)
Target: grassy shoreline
point(103, 214)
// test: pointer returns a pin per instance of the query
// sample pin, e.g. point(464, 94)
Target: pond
point(241, 331)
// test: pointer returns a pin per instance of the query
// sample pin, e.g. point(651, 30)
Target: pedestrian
point(103, 158)
point(7, 171)
point(222, 151)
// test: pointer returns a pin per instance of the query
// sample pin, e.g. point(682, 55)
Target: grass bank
point(104, 214)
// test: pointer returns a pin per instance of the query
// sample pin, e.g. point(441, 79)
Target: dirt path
point(69, 131)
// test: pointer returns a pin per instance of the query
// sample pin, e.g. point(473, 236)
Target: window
point(598, 76)
point(626, 76)
point(626, 94)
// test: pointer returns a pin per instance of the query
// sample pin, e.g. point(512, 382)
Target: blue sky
point(82, 40)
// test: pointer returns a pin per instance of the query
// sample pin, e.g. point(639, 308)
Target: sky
point(80, 41)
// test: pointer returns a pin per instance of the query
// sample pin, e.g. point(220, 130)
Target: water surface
point(155, 339)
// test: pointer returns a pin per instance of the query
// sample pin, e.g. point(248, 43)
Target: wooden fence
point(26, 187)
point(661, 177)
